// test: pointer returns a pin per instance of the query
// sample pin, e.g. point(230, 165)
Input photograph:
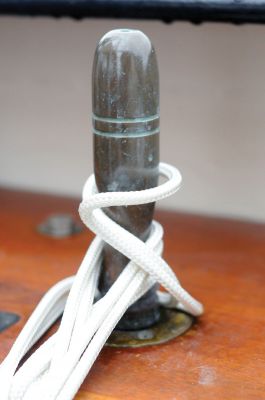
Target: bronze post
point(126, 147)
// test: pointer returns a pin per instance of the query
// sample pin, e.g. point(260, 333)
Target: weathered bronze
point(172, 323)
point(126, 146)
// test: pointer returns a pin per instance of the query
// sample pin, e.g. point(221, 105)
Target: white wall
point(212, 81)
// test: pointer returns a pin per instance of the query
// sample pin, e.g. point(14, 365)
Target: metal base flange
point(172, 323)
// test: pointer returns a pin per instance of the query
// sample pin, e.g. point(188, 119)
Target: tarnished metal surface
point(126, 146)
point(172, 323)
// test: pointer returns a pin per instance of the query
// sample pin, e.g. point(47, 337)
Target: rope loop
point(56, 370)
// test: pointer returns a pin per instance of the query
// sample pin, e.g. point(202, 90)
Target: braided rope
point(56, 370)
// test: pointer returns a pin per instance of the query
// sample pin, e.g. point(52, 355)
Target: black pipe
point(231, 11)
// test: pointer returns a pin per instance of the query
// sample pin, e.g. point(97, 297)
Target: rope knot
point(56, 370)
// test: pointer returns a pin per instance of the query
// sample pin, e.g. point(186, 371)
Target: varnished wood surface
point(221, 262)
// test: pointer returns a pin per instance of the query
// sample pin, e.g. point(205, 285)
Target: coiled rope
point(56, 370)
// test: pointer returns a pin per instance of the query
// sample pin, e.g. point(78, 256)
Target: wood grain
point(220, 261)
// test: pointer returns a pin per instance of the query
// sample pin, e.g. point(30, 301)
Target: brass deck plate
point(173, 323)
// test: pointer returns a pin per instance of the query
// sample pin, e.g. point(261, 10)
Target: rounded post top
point(125, 76)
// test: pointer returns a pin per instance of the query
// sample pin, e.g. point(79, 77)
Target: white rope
point(56, 370)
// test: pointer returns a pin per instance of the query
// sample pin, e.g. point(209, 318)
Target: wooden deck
point(220, 261)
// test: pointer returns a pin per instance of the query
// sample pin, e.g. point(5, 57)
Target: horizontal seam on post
point(126, 120)
point(126, 135)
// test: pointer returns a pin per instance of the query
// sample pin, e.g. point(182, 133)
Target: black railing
point(233, 11)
